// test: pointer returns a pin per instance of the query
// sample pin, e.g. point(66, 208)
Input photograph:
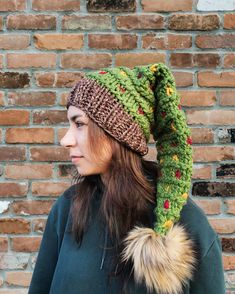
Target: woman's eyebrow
point(73, 118)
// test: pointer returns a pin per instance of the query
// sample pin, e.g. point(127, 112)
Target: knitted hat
point(130, 104)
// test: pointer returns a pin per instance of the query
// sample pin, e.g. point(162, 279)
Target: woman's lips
point(76, 158)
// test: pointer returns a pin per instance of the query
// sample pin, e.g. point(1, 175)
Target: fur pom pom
point(164, 263)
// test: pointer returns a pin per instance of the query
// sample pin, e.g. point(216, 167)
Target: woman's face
point(76, 139)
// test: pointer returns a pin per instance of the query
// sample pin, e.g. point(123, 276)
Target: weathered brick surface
point(229, 21)
point(86, 22)
point(133, 59)
point(63, 5)
point(117, 41)
point(11, 189)
point(49, 154)
point(28, 171)
point(215, 41)
point(42, 60)
point(213, 153)
point(226, 171)
point(143, 22)
point(57, 80)
point(165, 6)
point(18, 278)
point(85, 61)
point(193, 22)
point(223, 189)
point(196, 59)
point(31, 207)
point(47, 46)
point(14, 42)
point(49, 189)
point(32, 98)
point(58, 41)
point(31, 22)
point(14, 80)
point(111, 6)
point(12, 5)
point(166, 42)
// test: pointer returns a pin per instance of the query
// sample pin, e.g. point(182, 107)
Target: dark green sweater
point(62, 267)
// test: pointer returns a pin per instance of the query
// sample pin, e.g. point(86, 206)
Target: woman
point(127, 225)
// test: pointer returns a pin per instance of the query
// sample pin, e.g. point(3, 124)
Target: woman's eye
point(78, 124)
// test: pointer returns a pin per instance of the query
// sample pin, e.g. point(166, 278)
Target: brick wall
point(46, 46)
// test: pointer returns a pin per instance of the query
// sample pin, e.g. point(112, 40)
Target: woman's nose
point(68, 140)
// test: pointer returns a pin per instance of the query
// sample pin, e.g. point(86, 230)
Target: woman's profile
point(126, 224)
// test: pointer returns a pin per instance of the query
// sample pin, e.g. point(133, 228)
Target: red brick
point(14, 80)
point(14, 117)
point(166, 42)
point(194, 60)
point(28, 171)
point(165, 6)
point(215, 41)
point(14, 226)
point(58, 80)
point(213, 153)
point(49, 117)
point(31, 207)
point(58, 41)
point(14, 42)
point(230, 206)
point(1, 61)
point(31, 22)
point(223, 225)
point(111, 6)
point(140, 22)
point(39, 225)
point(202, 135)
point(133, 59)
point(12, 153)
point(183, 79)
point(1, 23)
point(25, 244)
point(112, 41)
point(209, 206)
point(49, 189)
point(86, 61)
point(10, 189)
point(197, 98)
point(229, 262)
point(86, 22)
point(208, 117)
point(18, 278)
point(62, 5)
point(3, 244)
point(229, 60)
point(12, 5)
point(196, 22)
point(201, 172)
point(30, 136)
point(49, 154)
point(39, 98)
point(227, 98)
point(2, 103)
point(41, 60)
point(229, 21)
point(215, 79)
point(63, 98)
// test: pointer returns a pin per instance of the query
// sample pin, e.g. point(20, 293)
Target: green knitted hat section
point(149, 95)
point(128, 90)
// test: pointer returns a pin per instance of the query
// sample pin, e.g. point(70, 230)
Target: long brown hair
point(127, 193)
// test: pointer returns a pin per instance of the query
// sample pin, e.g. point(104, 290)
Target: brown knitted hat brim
point(101, 106)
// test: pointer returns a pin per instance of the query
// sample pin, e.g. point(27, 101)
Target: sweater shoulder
point(61, 209)
point(197, 225)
